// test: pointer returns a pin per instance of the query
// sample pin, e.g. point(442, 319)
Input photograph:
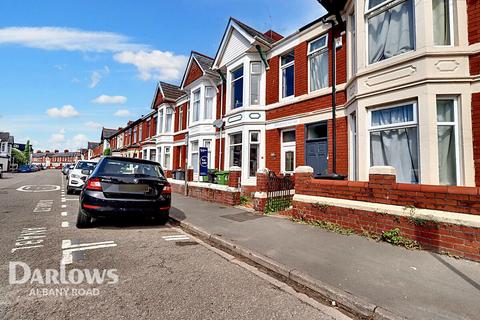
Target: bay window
point(391, 29)
point(442, 22)
point(288, 151)
point(447, 133)
point(168, 120)
point(254, 152)
point(394, 140)
point(236, 149)
point(180, 118)
point(196, 106)
point(194, 149)
point(208, 144)
point(160, 121)
point(287, 68)
point(318, 63)
point(209, 95)
point(159, 153)
point(255, 74)
point(237, 88)
point(166, 158)
point(153, 155)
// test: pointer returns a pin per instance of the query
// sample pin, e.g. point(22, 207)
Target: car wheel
point(162, 218)
point(83, 219)
point(69, 190)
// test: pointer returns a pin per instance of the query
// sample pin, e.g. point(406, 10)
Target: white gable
point(237, 44)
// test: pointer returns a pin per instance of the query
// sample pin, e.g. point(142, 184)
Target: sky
point(69, 68)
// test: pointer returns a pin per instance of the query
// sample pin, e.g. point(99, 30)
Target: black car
point(125, 186)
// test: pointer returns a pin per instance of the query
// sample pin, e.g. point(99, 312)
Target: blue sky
point(70, 67)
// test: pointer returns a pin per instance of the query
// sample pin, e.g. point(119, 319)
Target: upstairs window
point(390, 28)
point(209, 95)
point(160, 121)
point(287, 74)
point(180, 118)
point(255, 73)
point(140, 132)
point(237, 88)
point(135, 135)
point(196, 106)
point(169, 120)
point(442, 22)
point(318, 63)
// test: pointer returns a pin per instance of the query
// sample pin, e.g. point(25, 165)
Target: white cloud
point(66, 111)
point(93, 125)
point(97, 75)
point(105, 99)
point(79, 141)
point(57, 138)
point(57, 38)
point(122, 113)
point(158, 65)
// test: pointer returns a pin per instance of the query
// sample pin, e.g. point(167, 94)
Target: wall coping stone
point(212, 186)
point(263, 170)
point(175, 181)
point(462, 219)
point(304, 169)
point(388, 170)
point(235, 168)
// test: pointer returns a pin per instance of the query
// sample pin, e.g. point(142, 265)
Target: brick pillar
point(234, 177)
point(260, 197)
point(303, 175)
point(168, 173)
point(382, 179)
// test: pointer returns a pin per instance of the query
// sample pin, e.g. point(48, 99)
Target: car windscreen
point(82, 165)
point(114, 167)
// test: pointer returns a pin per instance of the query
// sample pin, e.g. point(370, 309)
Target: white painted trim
point(213, 186)
point(461, 219)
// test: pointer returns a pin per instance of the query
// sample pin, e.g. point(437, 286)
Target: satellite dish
point(218, 123)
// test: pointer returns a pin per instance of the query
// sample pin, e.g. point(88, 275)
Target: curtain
point(319, 71)
point(391, 32)
point(396, 148)
point(441, 22)
point(446, 155)
point(392, 115)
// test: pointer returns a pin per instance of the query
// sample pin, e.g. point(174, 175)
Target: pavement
point(366, 277)
point(162, 272)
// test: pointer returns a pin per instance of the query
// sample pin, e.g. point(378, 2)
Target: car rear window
point(129, 168)
point(82, 165)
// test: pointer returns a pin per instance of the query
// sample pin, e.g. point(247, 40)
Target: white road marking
point(175, 237)
point(64, 205)
point(68, 248)
point(65, 224)
point(74, 199)
point(39, 188)
point(64, 213)
point(43, 206)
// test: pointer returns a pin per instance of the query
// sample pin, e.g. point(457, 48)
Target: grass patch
point(330, 226)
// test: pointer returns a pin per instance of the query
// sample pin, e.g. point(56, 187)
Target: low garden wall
point(442, 219)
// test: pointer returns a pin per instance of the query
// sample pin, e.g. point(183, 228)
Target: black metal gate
point(279, 192)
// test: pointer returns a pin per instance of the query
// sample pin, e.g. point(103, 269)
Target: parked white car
point(77, 176)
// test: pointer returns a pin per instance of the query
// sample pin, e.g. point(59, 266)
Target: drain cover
point(241, 217)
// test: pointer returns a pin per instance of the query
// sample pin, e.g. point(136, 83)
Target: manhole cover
point(241, 217)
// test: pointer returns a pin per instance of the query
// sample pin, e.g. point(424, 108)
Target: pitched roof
point(204, 61)
point(92, 145)
point(170, 91)
point(107, 133)
point(252, 32)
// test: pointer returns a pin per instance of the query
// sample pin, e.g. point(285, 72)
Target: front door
point(316, 147)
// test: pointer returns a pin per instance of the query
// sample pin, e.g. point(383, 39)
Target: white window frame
point(196, 167)
point(292, 63)
point(232, 81)
point(167, 114)
point(194, 110)
point(230, 146)
point(287, 147)
point(180, 118)
point(451, 29)
point(315, 52)
point(378, 9)
point(205, 116)
point(161, 113)
point(352, 17)
point(250, 143)
point(455, 123)
point(259, 74)
point(159, 155)
point(165, 153)
point(409, 124)
point(207, 143)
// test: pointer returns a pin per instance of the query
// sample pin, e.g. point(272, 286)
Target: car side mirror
point(86, 172)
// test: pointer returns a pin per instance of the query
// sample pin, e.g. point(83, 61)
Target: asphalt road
point(145, 271)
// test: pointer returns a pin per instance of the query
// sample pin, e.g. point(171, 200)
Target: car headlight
point(75, 176)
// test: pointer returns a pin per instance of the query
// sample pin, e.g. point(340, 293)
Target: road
point(145, 271)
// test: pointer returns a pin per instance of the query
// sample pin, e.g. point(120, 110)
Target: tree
point(26, 152)
point(107, 152)
point(18, 157)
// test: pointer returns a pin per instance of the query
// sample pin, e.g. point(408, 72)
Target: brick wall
point(342, 146)
point(475, 64)
point(473, 13)
point(213, 195)
point(301, 69)
point(300, 145)
point(384, 189)
point(476, 135)
point(272, 81)
point(219, 162)
point(194, 73)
